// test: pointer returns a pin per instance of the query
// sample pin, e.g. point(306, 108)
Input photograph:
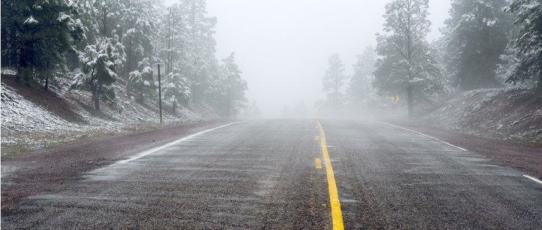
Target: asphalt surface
point(262, 175)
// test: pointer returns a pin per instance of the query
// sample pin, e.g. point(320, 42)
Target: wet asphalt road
point(262, 174)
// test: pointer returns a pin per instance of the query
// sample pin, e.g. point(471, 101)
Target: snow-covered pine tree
point(36, 35)
point(234, 87)
point(334, 81)
point(136, 29)
point(476, 37)
point(201, 47)
point(176, 88)
point(172, 38)
point(98, 71)
point(141, 80)
point(407, 66)
point(526, 62)
point(360, 90)
point(104, 54)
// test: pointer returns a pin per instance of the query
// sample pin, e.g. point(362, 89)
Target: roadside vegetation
point(106, 43)
point(486, 45)
point(72, 69)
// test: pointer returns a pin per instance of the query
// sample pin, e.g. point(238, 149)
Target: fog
point(282, 46)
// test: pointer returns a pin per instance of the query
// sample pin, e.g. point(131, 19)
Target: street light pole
point(160, 93)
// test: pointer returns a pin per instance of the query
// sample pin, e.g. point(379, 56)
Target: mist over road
point(273, 174)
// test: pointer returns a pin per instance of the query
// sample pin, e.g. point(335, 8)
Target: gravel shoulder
point(49, 170)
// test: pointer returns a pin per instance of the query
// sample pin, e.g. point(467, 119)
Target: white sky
point(282, 46)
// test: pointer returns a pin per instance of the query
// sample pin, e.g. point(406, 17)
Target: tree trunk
point(47, 78)
point(96, 103)
point(141, 93)
point(539, 85)
point(21, 63)
point(336, 97)
point(410, 102)
point(96, 90)
point(46, 83)
point(104, 22)
point(129, 59)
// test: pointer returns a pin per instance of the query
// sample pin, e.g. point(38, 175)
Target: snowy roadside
point(504, 114)
point(28, 126)
point(18, 142)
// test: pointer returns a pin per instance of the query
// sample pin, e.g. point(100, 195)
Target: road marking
point(336, 214)
point(153, 150)
point(533, 179)
point(317, 138)
point(425, 135)
point(317, 163)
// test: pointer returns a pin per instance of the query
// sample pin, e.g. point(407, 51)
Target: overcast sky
point(282, 46)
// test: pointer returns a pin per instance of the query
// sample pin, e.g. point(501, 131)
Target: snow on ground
point(21, 114)
point(508, 114)
point(27, 123)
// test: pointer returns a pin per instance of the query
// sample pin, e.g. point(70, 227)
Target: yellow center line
point(318, 163)
point(336, 214)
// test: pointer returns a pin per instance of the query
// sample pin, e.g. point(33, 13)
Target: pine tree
point(36, 35)
point(234, 87)
point(407, 66)
point(360, 90)
point(99, 64)
point(476, 37)
point(176, 88)
point(201, 47)
point(104, 54)
point(136, 29)
point(141, 80)
point(527, 63)
point(172, 39)
point(334, 80)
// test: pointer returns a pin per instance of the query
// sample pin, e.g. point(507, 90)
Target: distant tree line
point(108, 41)
point(485, 44)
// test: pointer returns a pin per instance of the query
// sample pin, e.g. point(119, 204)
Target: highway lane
point(262, 174)
point(250, 175)
point(392, 178)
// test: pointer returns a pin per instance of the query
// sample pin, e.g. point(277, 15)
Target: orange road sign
point(395, 98)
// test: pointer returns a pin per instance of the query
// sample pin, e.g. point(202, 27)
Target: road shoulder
point(523, 157)
point(50, 170)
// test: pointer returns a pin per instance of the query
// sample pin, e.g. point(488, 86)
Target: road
point(275, 174)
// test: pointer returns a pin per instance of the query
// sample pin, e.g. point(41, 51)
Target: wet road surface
point(266, 174)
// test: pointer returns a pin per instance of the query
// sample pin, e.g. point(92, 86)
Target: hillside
point(506, 114)
point(33, 118)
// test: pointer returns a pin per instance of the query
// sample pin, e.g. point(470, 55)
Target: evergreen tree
point(104, 55)
point(334, 80)
point(136, 30)
point(525, 61)
point(172, 39)
point(476, 37)
point(100, 62)
point(141, 80)
point(234, 87)
point(36, 35)
point(201, 48)
point(360, 90)
point(407, 66)
point(176, 88)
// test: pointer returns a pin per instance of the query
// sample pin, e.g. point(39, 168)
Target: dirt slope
point(514, 115)
point(33, 118)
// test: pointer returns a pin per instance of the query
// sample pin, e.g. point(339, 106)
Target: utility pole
point(160, 93)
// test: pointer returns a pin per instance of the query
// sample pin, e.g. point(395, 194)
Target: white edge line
point(434, 138)
point(153, 150)
point(533, 179)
